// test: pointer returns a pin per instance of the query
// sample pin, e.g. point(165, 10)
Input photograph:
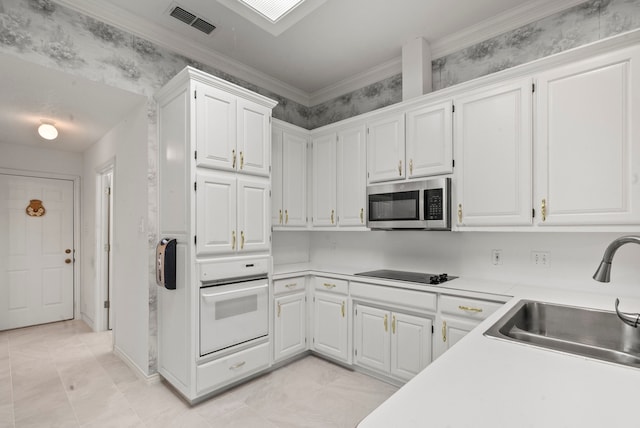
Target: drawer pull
point(279, 309)
point(292, 285)
point(469, 309)
point(342, 309)
point(386, 323)
point(393, 324)
point(329, 286)
point(237, 365)
point(444, 331)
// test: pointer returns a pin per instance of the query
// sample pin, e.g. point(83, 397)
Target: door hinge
point(195, 240)
point(453, 108)
point(195, 154)
point(367, 130)
point(107, 304)
point(453, 163)
point(107, 190)
point(269, 193)
point(107, 248)
point(533, 87)
point(433, 330)
point(356, 311)
point(195, 186)
point(269, 168)
point(533, 213)
point(195, 94)
point(356, 352)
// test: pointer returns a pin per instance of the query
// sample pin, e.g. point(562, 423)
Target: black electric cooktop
point(419, 277)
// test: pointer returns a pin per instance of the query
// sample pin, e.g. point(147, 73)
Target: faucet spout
point(603, 273)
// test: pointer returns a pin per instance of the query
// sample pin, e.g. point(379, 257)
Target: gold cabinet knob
point(233, 161)
point(444, 331)
point(241, 160)
point(286, 216)
point(280, 218)
point(410, 166)
point(233, 239)
point(242, 239)
point(543, 209)
point(393, 324)
point(400, 168)
point(332, 218)
point(342, 308)
point(279, 309)
point(386, 323)
point(459, 213)
point(362, 215)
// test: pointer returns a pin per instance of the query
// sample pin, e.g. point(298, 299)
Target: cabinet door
point(371, 336)
point(330, 325)
point(451, 331)
point(254, 138)
point(410, 345)
point(587, 162)
point(215, 212)
point(324, 180)
point(294, 180)
point(430, 140)
point(385, 149)
point(290, 328)
point(351, 179)
point(253, 205)
point(493, 156)
point(215, 128)
point(277, 215)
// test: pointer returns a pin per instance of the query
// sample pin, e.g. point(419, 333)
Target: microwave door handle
point(242, 291)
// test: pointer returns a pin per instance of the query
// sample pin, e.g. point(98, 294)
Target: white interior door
point(37, 256)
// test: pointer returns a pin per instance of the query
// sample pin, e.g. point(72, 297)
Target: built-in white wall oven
point(234, 305)
point(424, 204)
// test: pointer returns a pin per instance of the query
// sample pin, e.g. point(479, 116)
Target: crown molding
point(360, 80)
point(499, 24)
point(138, 26)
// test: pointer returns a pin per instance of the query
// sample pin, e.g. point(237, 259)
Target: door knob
point(67, 261)
point(68, 251)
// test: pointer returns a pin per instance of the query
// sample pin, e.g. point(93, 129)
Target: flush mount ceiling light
point(48, 131)
point(274, 16)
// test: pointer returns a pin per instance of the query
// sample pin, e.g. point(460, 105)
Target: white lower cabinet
point(290, 318)
point(330, 318)
point(458, 316)
point(393, 343)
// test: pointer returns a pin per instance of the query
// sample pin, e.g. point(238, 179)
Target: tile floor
point(64, 375)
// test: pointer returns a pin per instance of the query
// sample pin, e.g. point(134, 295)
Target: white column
point(416, 68)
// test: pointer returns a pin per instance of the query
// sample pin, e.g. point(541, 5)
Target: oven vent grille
point(192, 20)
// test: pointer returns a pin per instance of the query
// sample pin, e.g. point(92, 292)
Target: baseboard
point(88, 321)
point(148, 379)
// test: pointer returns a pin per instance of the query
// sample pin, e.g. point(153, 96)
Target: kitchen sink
point(586, 332)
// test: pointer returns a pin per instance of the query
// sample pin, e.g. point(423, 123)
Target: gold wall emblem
point(35, 208)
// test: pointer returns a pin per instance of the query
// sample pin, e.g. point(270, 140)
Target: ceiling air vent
point(192, 20)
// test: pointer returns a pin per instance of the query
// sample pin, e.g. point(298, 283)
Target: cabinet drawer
point(233, 268)
point(288, 285)
point(423, 301)
point(467, 307)
point(331, 285)
point(232, 367)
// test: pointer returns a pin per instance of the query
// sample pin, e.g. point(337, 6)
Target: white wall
point(290, 247)
point(574, 257)
point(40, 159)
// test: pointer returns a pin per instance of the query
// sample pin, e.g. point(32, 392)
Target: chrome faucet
point(603, 274)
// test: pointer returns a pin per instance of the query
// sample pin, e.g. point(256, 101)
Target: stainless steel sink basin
point(587, 332)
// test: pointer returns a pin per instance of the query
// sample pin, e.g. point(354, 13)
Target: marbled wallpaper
point(585, 23)
point(46, 33)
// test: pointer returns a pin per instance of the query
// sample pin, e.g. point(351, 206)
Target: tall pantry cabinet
point(214, 167)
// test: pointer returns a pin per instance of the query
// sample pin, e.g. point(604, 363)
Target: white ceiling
point(83, 111)
point(340, 41)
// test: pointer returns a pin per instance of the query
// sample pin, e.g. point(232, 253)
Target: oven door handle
point(226, 293)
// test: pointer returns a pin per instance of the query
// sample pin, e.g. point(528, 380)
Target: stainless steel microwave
point(424, 205)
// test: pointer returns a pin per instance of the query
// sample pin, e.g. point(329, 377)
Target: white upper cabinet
point(339, 183)
point(493, 144)
point(430, 140)
point(289, 176)
point(351, 179)
point(386, 149)
point(324, 180)
point(231, 213)
point(231, 133)
point(586, 125)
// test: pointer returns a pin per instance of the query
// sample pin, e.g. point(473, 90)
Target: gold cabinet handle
point(386, 323)
point(543, 209)
point(393, 324)
point(241, 160)
point(459, 213)
point(233, 239)
point(279, 309)
point(280, 221)
point(400, 168)
point(233, 162)
point(332, 218)
point(242, 239)
point(410, 166)
point(237, 365)
point(286, 216)
point(362, 215)
point(292, 285)
point(470, 309)
point(329, 286)
point(342, 309)
point(444, 331)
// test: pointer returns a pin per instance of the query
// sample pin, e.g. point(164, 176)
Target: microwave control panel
point(433, 204)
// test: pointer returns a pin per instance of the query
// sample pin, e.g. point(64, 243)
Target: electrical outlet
point(496, 257)
point(541, 258)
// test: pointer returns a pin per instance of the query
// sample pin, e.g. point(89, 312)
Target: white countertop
point(484, 382)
